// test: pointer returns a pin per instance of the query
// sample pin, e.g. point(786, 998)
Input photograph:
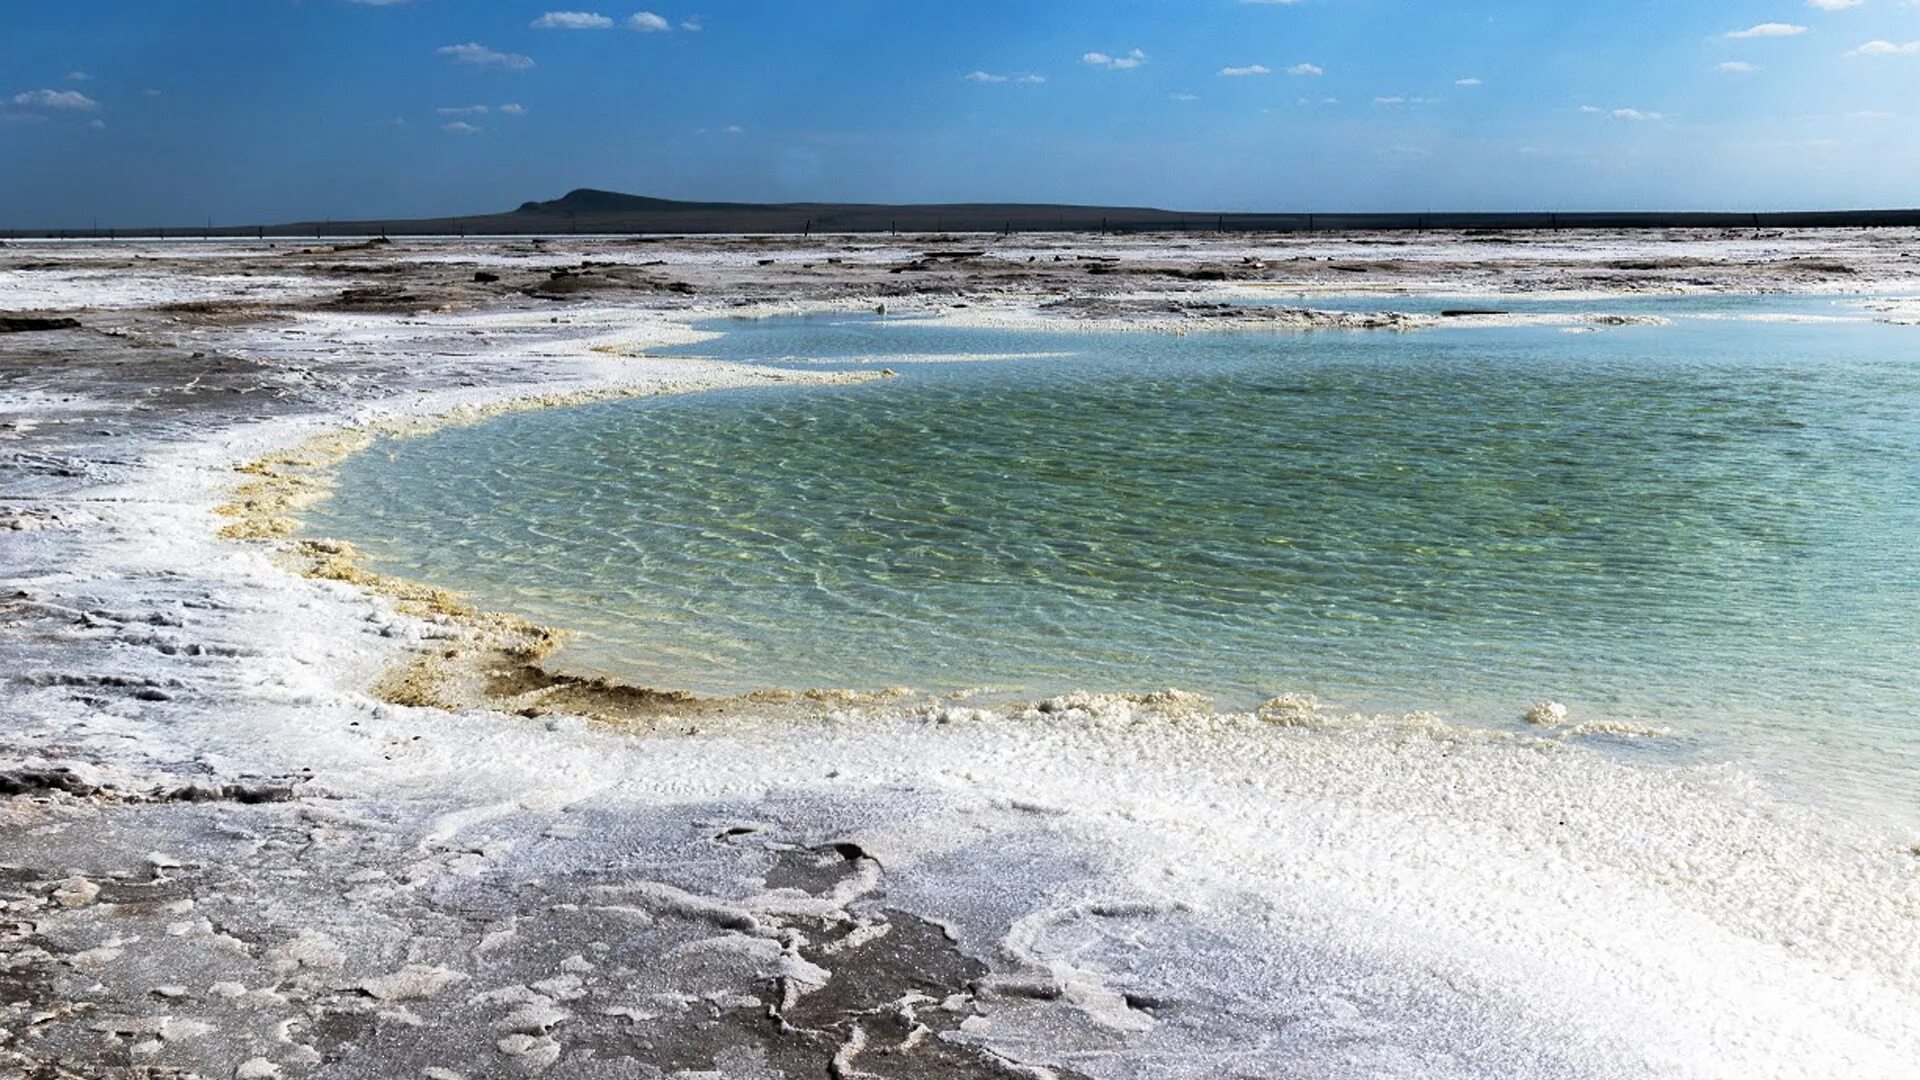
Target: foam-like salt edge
point(1623, 920)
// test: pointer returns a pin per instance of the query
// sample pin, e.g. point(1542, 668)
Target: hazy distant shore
point(588, 212)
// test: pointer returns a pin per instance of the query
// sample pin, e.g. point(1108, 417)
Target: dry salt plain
point(268, 815)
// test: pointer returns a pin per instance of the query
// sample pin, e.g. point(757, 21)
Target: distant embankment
point(587, 211)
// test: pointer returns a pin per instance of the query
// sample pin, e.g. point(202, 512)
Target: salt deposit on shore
point(226, 855)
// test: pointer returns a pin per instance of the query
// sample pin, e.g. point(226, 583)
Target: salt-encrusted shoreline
point(229, 856)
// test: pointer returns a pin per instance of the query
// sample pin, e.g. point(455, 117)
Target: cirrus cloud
point(572, 20)
point(55, 99)
point(1887, 48)
point(1133, 58)
point(1768, 29)
point(478, 55)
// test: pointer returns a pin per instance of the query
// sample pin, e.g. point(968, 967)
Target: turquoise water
point(1711, 527)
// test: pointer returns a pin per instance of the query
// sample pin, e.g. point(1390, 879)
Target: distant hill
point(592, 211)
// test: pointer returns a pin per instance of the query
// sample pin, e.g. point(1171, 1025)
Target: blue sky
point(165, 111)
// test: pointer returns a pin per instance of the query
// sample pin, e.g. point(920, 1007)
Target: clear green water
point(1712, 527)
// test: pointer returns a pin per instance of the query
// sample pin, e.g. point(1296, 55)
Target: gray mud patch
point(326, 939)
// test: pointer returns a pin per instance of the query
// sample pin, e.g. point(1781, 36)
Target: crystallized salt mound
point(1547, 714)
point(1290, 709)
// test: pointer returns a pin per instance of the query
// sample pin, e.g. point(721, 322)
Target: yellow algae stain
point(483, 659)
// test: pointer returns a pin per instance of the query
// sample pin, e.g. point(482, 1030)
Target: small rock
point(415, 982)
point(256, 1069)
point(533, 1019)
point(75, 892)
point(532, 1054)
point(308, 949)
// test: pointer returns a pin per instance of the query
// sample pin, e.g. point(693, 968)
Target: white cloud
point(692, 25)
point(79, 76)
point(97, 124)
point(55, 99)
point(990, 77)
point(648, 23)
point(1769, 29)
point(1184, 97)
point(1391, 100)
point(1874, 115)
point(1242, 72)
point(149, 92)
point(513, 109)
point(1131, 59)
point(1468, 81)
point(1306, 69)
point(1737, 67)
point(1886, 48)
point(572, 20)
point(735, 129)
point(1636, 115)
point(1834, 5)
point(460, 127)
point(462, 110)
point(472, 52)
point(1591, 109)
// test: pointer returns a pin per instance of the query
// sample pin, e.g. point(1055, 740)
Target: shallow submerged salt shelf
point(1707, 527)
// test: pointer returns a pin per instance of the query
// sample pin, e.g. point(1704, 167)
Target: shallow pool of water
point(1711, 527)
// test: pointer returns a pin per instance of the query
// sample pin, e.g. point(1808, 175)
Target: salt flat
point(228, 852)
